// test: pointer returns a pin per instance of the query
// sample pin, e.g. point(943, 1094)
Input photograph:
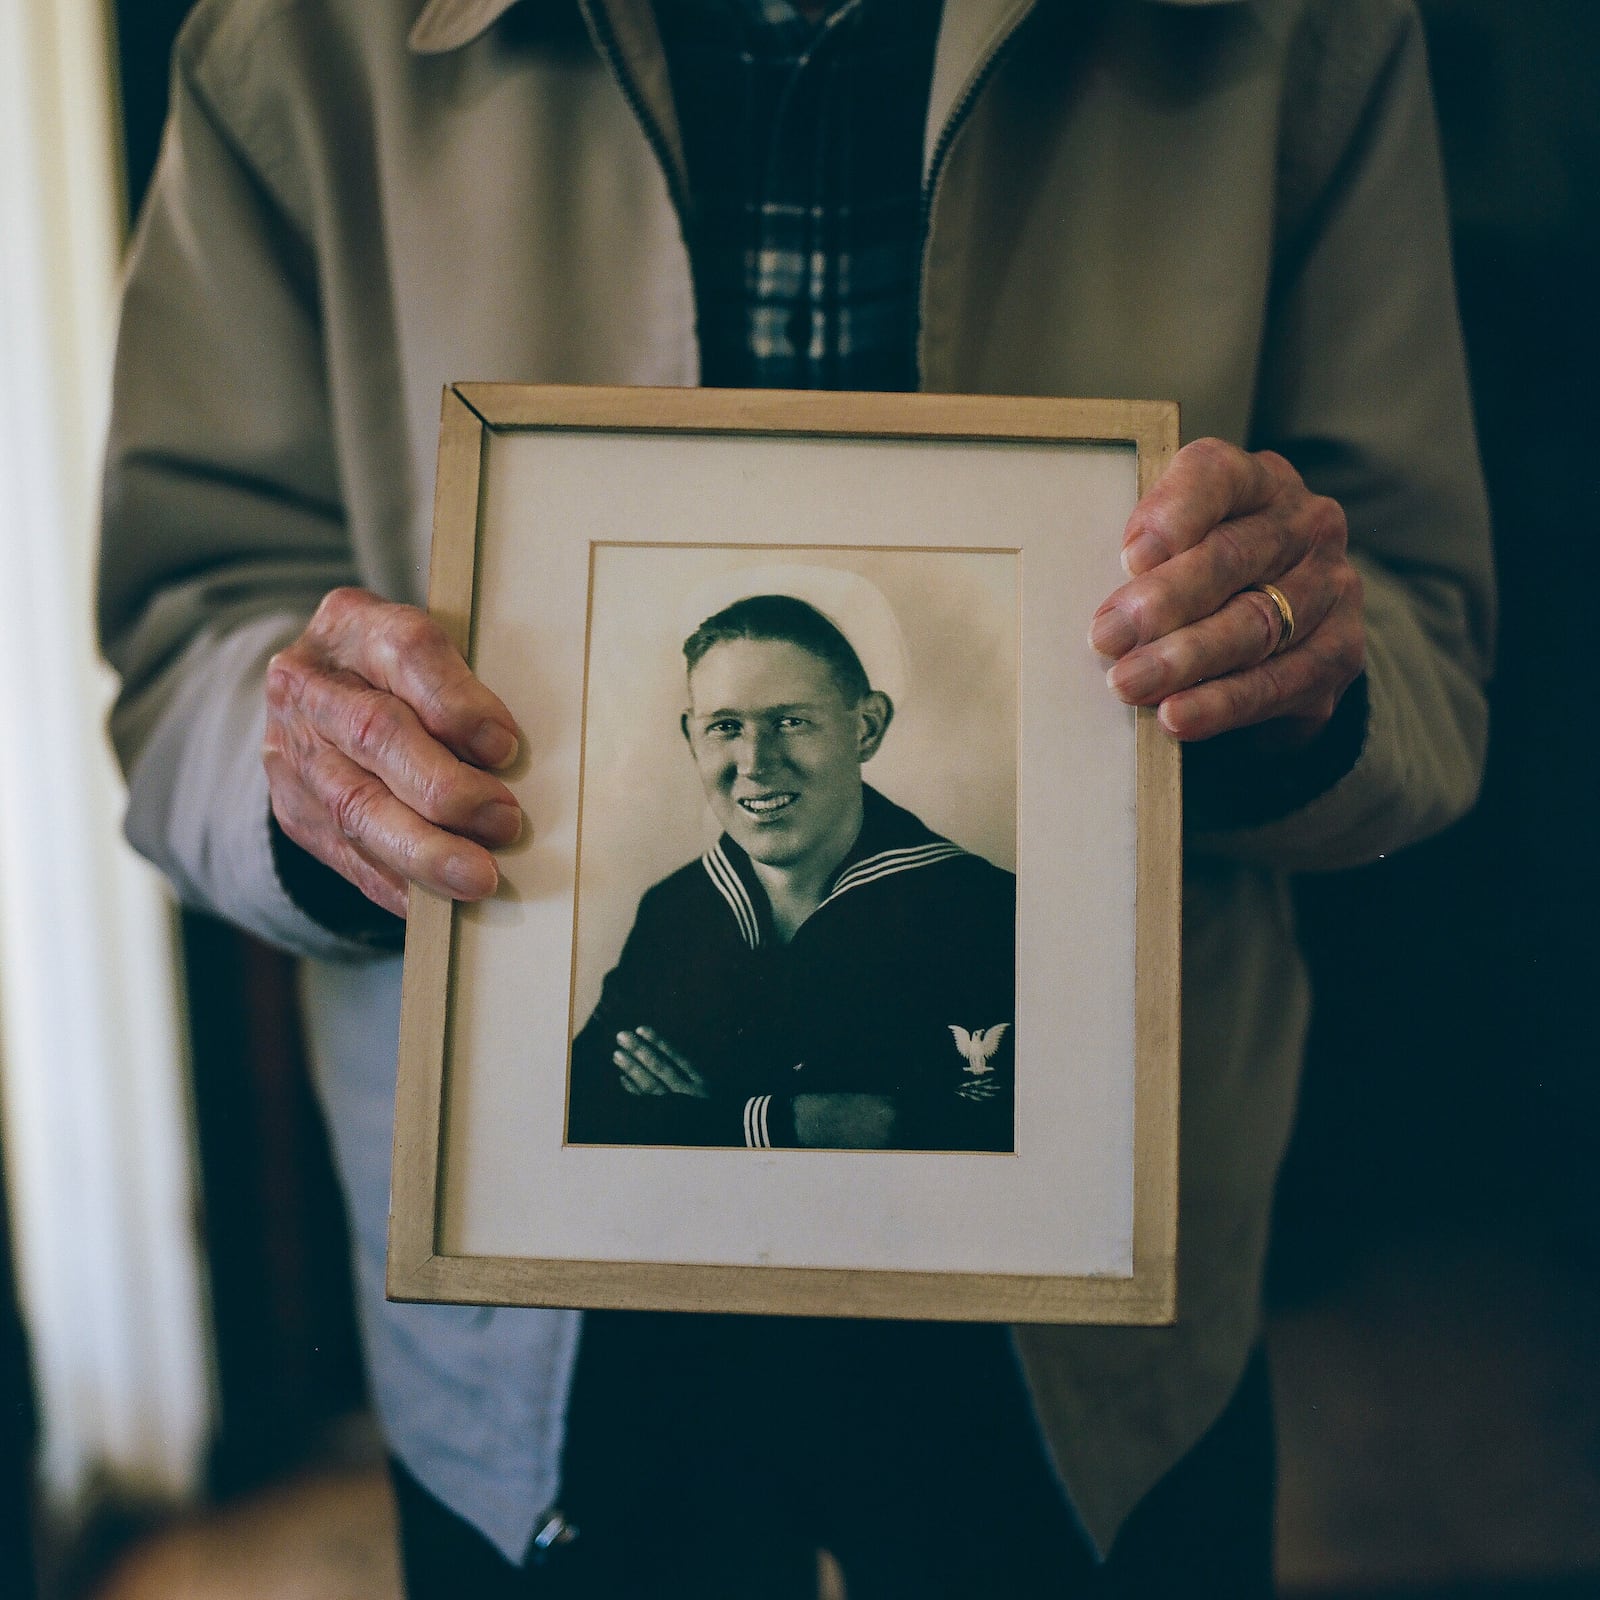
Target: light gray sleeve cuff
point(197, 798)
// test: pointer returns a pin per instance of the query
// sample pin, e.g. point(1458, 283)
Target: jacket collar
point(446, 25)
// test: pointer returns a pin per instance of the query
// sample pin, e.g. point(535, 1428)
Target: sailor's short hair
point(844, 599)
point(784, 619)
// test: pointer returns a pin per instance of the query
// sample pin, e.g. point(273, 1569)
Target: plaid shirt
point(804, 149)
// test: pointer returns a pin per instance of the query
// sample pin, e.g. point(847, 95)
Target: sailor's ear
point(874, 715)
point(683, 727)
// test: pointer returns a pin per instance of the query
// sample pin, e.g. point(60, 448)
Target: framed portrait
point(836, 970)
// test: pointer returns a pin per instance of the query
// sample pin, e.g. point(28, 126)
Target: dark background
point(1451, 1080)
point(1452, 1065)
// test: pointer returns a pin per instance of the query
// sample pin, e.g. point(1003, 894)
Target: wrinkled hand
point(649, 1065)
point(377, 734)
point(1188, 633)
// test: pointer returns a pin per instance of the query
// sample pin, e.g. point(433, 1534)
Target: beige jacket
point(1234, 203)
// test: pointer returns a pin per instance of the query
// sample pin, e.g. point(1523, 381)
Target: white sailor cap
point(856, 607)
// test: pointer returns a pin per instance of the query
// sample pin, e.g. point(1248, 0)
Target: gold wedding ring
point(1285, 613)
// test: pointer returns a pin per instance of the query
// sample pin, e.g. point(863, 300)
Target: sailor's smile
point(766, 807)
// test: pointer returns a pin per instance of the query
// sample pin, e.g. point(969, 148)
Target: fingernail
point(1135, 678)
point(1112, 632)
point(467, 877)
point(1141, 553)
point(497, 821)
point(493, 745)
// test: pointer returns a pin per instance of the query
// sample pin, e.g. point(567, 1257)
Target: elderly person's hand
point(1193, 633)
point(377, 737)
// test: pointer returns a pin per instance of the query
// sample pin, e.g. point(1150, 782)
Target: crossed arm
point(649, 1065)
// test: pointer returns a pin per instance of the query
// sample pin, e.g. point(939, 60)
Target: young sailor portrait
point(830, 973)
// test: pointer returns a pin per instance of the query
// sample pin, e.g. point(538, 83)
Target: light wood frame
point(419, 1269)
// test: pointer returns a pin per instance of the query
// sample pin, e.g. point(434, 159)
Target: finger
point(643, 1064)
point(1246, 631)
point(675, 1056)
point(306, 822)
point(635, 1078)
point(385, 888)
point(1206, 482)
point(382, 734)
point(663, 1070)
point(1198, 582)
point(663, 1067)
point(403, 650)
point(367, 815)
point(1304, 683)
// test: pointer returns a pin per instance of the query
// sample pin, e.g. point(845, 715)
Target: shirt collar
point(447, 25)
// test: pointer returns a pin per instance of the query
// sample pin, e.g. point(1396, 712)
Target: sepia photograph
point(834, 964)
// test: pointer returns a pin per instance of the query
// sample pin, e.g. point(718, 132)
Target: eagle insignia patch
point(979, 1047)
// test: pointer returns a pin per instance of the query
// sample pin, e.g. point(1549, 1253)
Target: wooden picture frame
point(557, 512)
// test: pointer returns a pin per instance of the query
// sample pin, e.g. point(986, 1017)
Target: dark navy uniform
point(901, 983)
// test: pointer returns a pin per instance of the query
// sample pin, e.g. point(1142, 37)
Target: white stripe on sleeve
point(756, 1136)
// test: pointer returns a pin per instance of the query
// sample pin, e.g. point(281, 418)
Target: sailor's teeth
point(774, 803)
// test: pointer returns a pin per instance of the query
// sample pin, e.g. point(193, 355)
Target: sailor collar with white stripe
point(891, 841)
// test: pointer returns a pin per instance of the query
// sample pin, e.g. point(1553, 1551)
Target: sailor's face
point(779, 750)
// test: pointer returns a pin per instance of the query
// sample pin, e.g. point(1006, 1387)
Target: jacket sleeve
point(600, 1110)
point(1364, 389)
point(976, 1111)
point(223, 523)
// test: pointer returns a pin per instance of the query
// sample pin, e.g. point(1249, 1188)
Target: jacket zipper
point(941, 150)
point(605, 39)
